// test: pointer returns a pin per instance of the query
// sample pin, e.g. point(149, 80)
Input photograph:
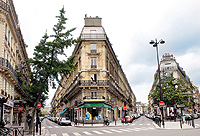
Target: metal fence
point(12, 131)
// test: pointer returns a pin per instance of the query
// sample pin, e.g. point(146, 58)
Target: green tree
point(174, 91)
point(46, 65)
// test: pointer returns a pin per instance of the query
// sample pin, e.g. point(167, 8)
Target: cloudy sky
point(130, 26)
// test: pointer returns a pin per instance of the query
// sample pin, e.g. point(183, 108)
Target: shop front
point(93, 111)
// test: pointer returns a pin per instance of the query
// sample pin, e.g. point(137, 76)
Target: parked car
point(64, 121)
point(127, 118)
point(56, 119)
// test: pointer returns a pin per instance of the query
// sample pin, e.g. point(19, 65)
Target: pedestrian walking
point(29, 120)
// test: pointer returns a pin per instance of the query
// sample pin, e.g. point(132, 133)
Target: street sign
point(76, 108)
point(164, 106)
point(161, 103)
point(124, 107)
point(179, 106)
point(38, 105)
point(156, 106)
point(20, 108)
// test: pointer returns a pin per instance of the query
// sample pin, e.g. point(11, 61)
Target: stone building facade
point(12, 61)
point(98, 85)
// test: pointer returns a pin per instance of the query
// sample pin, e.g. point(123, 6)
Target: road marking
point(65, 134)
point(148, 124)
point(53, 134)
point(97, 132)
point(43, 127)
point(49, 127)
point(116, 130)
point(56, 126)
point(76, 134)
point(124, 130)
point(140, 124)
point(106, 131)
point(87, 133)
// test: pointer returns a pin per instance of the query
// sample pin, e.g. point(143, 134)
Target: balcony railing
point(6, 7)
point(93, 36)
point(93, 66)
point(89, 97)
point(93, 51)
point(94, 83)
point(7, 64)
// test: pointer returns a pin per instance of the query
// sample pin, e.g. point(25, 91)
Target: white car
point(64, 121)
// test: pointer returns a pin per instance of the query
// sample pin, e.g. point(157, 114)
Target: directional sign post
point(38, 105)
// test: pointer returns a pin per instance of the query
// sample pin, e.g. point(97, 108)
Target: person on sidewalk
point(29, 120)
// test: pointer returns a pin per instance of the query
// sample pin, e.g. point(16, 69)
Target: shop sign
point(120, 108)
point(9, 103)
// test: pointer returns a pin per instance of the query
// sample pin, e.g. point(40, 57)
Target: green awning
point(95, 105)
point(64, 111)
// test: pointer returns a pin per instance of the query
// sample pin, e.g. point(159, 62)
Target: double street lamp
point(155, 44)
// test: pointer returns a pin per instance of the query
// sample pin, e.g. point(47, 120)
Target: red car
point(127, 119)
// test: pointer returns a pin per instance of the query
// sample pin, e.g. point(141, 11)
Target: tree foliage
point(47, 68)
point(174, 91)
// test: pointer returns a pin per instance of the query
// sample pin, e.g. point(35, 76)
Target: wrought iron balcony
point(93, 66)
point(93, 51)
point(93, 83)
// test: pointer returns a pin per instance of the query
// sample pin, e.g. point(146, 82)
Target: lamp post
point(155, 44)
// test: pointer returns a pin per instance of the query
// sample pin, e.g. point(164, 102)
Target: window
point(6, 32)
point(93, 77)
point(93, 62)
point(93, 94)
point(93, 48)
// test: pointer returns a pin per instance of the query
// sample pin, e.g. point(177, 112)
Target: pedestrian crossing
point(106, 131)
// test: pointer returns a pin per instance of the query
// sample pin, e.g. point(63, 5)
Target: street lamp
point(155, 44)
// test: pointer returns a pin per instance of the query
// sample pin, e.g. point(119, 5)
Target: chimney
point(92, 21)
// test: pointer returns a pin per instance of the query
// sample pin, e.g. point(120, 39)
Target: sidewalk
point(174, 125)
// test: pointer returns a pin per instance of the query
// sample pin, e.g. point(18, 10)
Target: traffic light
point(124, 103)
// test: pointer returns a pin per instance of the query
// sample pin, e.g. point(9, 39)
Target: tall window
point(9, 38)
point(93, 48)
point(93, 77)
point(93, 94)
point(6, 32)
point(93, 62)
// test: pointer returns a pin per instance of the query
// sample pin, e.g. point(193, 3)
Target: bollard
point(115, 122)
point(15, 132)
point(181, 124)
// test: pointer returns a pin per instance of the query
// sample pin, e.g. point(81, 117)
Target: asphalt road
point(140, 127)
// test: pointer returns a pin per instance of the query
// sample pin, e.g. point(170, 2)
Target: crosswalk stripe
point(148, 124)
point(43, 127)
point(97, 132)
point(53, 135)
point(76, 134)
point(87, 133)
point(140, 124)
point(65, 134)
point(106, 131)
point(116, 130)
point(56, 126)
point(124, 130)
point(49, 127)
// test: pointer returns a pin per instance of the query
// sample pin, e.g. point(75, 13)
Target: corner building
point(98, 85)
